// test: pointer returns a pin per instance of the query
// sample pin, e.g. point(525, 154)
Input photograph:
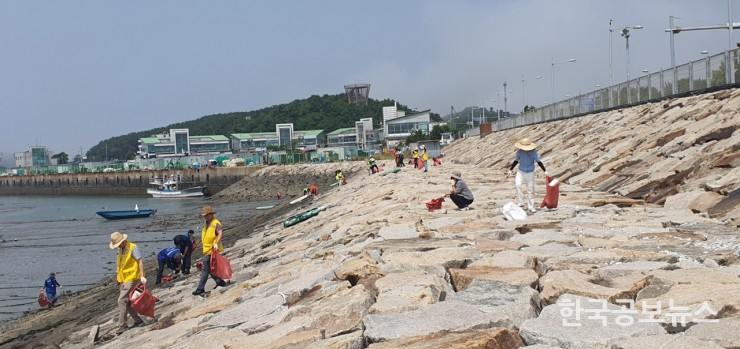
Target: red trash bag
point(142, 301)
point(552, 193)
point(435, 204)
point(43, 301)
point(220, 266)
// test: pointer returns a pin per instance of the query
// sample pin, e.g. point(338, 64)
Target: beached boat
point(173, 187)
point(298, 199)
point(110, 215)
point(302, 216)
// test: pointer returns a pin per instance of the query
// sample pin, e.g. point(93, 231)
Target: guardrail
point(697, 76)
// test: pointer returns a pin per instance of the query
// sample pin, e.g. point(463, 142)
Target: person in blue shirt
point(185, 244)
point(171, 257)
point(50, 288)
point(526, 156)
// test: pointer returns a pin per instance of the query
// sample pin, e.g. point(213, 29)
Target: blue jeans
point(206, 260)
point(52, 297)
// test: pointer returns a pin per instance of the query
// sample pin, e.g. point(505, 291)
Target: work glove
point(547, 174)
point(143, 280)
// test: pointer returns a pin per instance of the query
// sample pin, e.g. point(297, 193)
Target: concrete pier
point(118, 183)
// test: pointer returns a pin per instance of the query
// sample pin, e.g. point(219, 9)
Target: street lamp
point(625, 33)
point(553, 63)
point(523, 102)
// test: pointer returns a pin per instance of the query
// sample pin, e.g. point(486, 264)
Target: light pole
point(505, 108)
point(498, 106)
point(625, 32)
point(553, 63)
point(524, 104)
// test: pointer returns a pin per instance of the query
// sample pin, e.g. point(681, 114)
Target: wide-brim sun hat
point(456, 174)
point(525, 144)
point(206, 211)
point(116, 239)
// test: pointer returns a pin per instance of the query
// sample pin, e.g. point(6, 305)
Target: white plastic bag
point(136, 294)
point(512, 212)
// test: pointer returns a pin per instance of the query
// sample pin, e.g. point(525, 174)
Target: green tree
point(62, 158)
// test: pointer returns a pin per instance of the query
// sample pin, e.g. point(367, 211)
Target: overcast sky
point(73, 73)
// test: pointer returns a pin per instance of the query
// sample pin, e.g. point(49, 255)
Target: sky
point(73, 73)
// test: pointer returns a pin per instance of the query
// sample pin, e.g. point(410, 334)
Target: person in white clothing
point(526, 156)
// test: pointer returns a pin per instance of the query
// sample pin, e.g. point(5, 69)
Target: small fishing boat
point(110, 215)
point(173, 187)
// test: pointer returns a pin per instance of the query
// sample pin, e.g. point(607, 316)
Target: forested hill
point(325, 112)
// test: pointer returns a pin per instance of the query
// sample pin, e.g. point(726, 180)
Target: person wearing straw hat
point(130, 269)
point(210, 237)
point(526, 156)
point(460, 193)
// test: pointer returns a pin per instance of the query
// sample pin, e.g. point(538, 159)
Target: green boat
point(392, 171)
point(302, 216)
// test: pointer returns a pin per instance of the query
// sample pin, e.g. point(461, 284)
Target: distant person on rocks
point(372, 165)
point(339, 176)
point(415, 156)
point(526, 156)
point(130, 269)
point(210, 236)
point(50, 288)
point(185, 245)
point(170, 257)
point(460, 193)
point(425, 158)
point(313, 190)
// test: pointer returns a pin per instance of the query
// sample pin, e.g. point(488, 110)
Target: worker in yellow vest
point(425, 158)
point(210, 236)
point(130, 270)
point(415, 155)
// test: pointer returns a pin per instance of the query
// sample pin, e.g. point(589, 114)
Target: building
point(397, 126)
point(365, 133)
point(36, 156)
point(343, 137)
point(179, 142)
point(283, 136)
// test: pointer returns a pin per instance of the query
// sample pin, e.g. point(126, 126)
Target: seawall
point(118, 183)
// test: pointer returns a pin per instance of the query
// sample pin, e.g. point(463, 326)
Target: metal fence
point(693, 77)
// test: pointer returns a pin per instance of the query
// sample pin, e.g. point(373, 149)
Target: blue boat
point(126, 214)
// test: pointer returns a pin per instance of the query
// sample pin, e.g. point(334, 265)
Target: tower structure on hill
point(357, 94)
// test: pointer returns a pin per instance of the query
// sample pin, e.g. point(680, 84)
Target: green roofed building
point(284, 135)
point(179, 142)
point(342, 137)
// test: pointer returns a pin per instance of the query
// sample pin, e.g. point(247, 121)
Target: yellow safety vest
point(416, 154)
point(340, 176)
point(208, 237)
point(425, 157)
point(128, 267)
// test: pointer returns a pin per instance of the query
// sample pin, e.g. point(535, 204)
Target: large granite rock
point(411, 290)
point(558, 326)
point(461, 278)
point(451, 315)
point(675, 341)
point(517, 303)
point(724, 331)
point(557, 283)
point(499, 338)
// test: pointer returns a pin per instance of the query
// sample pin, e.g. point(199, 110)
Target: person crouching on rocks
point(130, 269)
point(172, 258)
point(50, 288)
point(210, 236)
point(339, 176)
point(526, 156)
point(460, 193)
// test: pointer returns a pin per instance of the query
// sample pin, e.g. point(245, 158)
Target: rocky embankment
point(377, 270)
